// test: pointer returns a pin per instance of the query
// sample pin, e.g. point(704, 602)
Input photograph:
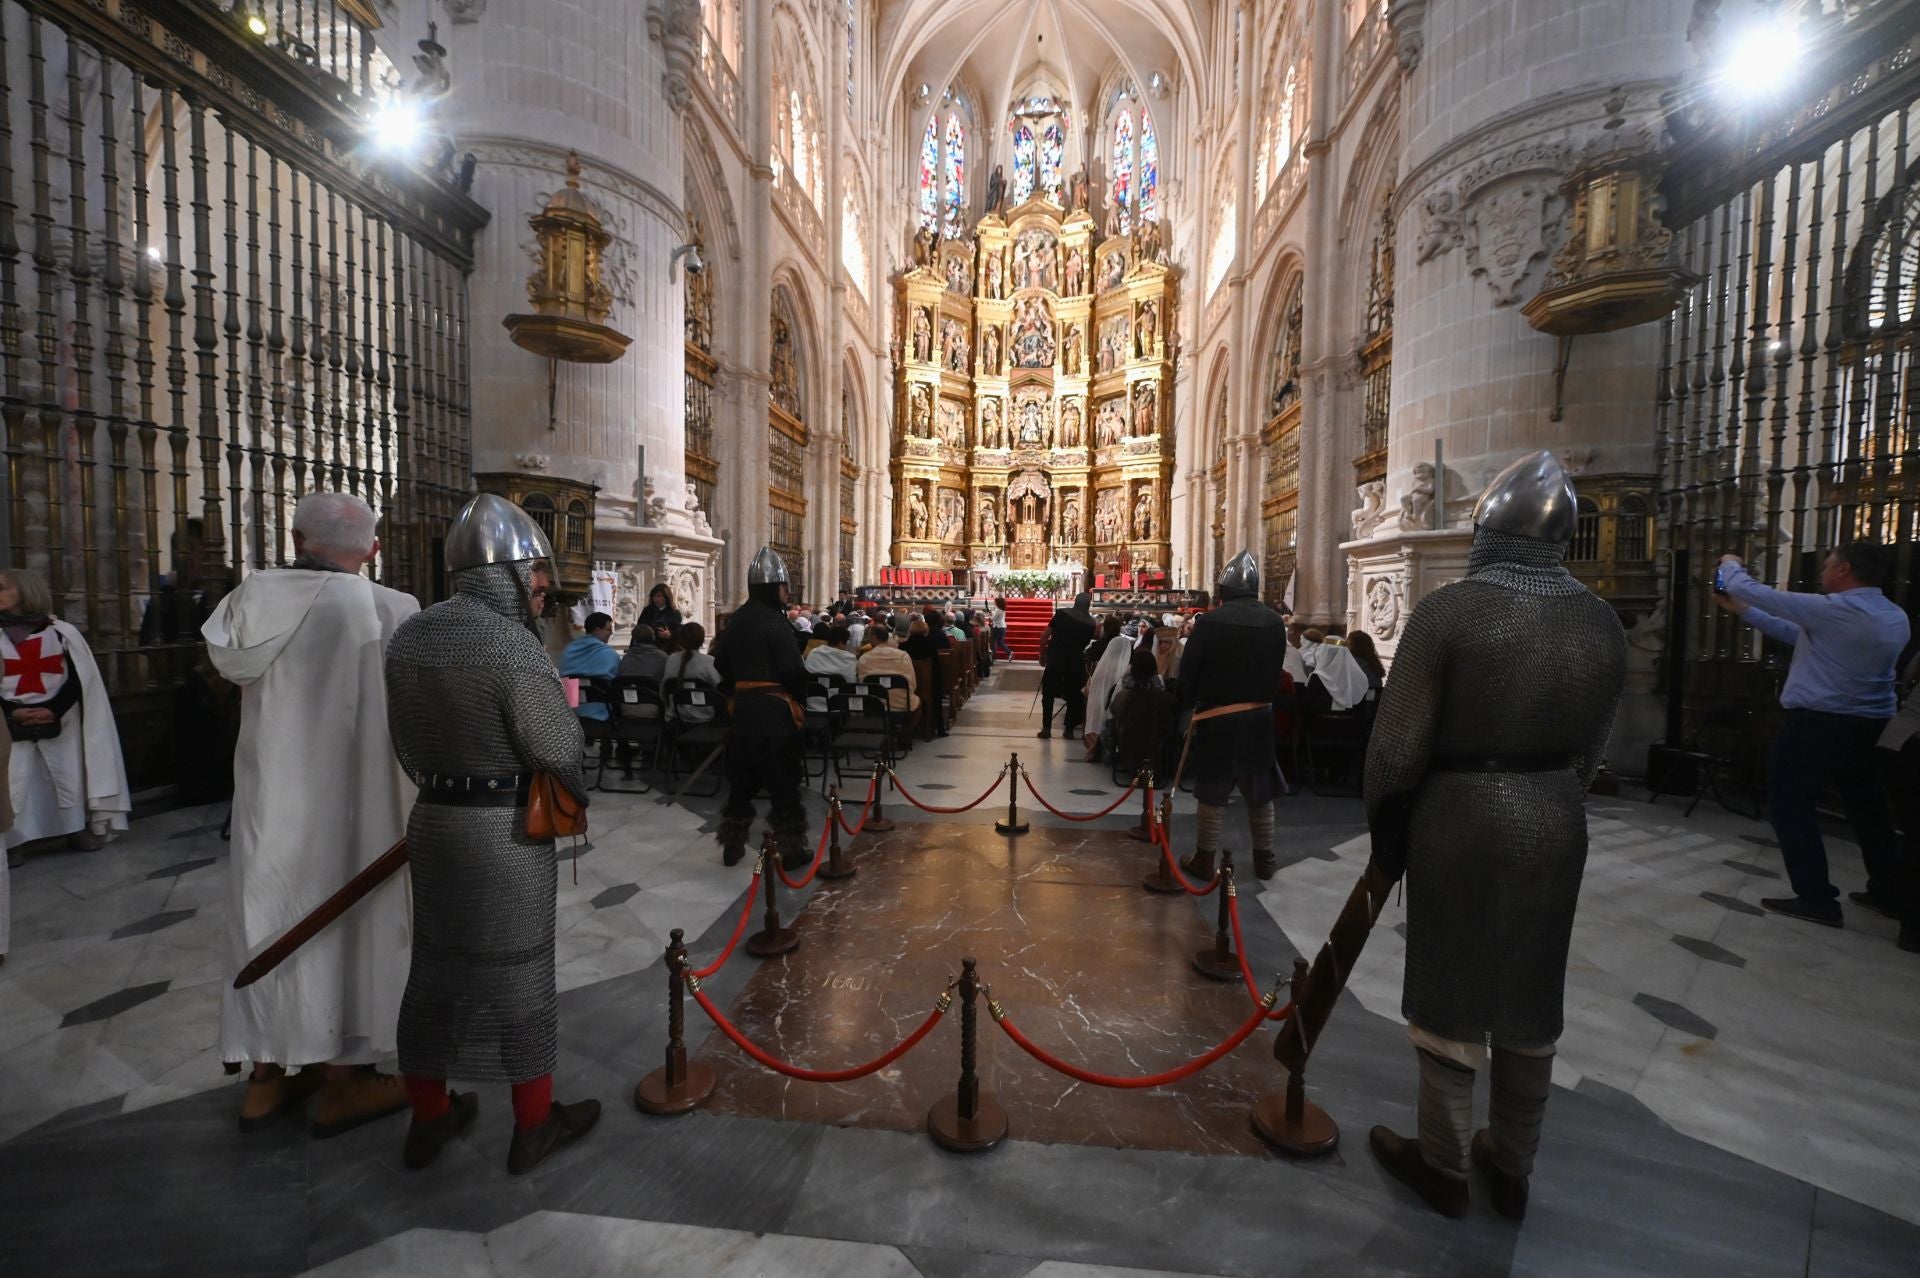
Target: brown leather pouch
point(552, 811)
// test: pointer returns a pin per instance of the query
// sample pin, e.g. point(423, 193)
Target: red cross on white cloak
point(32, 665)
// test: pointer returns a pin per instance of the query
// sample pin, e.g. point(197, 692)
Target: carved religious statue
point(1076, 270)
point(995, 261)
point(922, 334)
point(989, 523)
point(1033, 424)
point(1144, 422)
point(1073, 348)
point(1070, 424)
point(956, 273)
point(990, 350)
point(1153, 247)
point(1110, 423)
point(925, 241)
point(952, 513)
point(990, 424)
point(953, 344)
point(1077, 188)
point(916, 514)
point(1070, 519)
point(1111, 228)
point(1148, 329)
point(922, 413)
point(1416, 504)
point(997, 192)
point(1143, 515)
point(1373, 496)
point(1106, 516)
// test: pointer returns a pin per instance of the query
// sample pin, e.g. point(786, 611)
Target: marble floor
point(1735, 1091)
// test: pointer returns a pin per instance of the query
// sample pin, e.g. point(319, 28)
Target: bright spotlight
point(256, 24)
point(398, 125)
point(153, 251)
point(1763, 58)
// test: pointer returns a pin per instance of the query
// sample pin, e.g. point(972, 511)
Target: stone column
point(520, 102)
point(742, 432)
point(1499, 102)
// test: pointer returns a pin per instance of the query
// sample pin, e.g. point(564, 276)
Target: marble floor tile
point(417, 1253)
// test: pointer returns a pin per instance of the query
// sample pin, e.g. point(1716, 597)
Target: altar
point(1032, 390)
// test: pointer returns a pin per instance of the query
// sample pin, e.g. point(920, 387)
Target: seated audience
point(690, 665)
point(885, 657)
point(591, 657)
point(644, 660)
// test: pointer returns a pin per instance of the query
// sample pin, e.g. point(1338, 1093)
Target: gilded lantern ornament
point(1616, 268)
point(571, 300)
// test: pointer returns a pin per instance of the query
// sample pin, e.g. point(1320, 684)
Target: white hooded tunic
point(318, 795)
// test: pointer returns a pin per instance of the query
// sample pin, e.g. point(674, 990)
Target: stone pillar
point(1328, 437)
point(1499, 103)
point(523, 97)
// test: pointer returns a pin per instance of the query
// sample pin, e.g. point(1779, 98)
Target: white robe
point(1344, 677)
point(318, 795)
point(1107, 673)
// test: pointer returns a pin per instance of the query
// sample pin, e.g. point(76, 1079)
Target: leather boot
point(1199, 865)
point(426, 1140)
point(565, 1124)
point(732, 854)
point(1435, 1165)
point(1265, 864)
point(275, 1093)
point(344, 1105)
point(1516, 1107)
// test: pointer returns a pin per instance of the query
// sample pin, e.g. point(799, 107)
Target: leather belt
point(1238, 707)
point(1499, 762)
point(474, 792)
point(778, 690)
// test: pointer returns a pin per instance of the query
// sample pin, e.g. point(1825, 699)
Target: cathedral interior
point(944, 301)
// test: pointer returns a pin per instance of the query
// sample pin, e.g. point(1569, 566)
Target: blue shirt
point(589, 658)
point(1844, 645)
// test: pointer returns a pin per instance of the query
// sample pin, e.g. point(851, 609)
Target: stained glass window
point(1023, 164)
point(1122, 172)
point(1149, 170)
point(1053, 154)
point(956, 168)
point(853, 21)
point(930, 178)
point(1285, 140)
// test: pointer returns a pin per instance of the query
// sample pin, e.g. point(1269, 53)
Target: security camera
point(695, 263)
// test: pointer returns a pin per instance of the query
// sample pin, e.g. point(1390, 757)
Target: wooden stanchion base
point(1313, 1134)
point(1140, 834)
point(1161, 880)
point(987, 1127)
point(841, 870)
point(1002, 827)
point(771, 941)
point(1217, 964)
point(877, 825)
point(655, 1095)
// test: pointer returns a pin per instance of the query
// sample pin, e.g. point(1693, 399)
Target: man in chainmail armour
point(757, 657)
point(476, 710)
point(1494, 720)
point(1229, 674)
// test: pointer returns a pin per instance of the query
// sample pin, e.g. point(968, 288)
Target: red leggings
point(531, 1100)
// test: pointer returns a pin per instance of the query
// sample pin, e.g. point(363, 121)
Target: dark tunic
point(1494, 858)
point(1235, 654)
point(764, 746)
point(1064, 670)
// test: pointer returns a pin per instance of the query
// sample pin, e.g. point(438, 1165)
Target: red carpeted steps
point(1026, 620)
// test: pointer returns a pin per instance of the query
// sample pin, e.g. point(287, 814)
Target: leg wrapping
point(1260, 825)
point(1207, 825)
point(1445, 1112)
point(1517, 1106)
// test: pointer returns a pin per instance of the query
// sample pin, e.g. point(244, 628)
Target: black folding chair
point(1337, 747)
point(865, 728)
point(899, 722)
point(691, 741)
point(638, 724)
point(598, 745)
point(817, 730)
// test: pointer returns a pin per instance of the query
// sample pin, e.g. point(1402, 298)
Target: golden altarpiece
point(1032, 399)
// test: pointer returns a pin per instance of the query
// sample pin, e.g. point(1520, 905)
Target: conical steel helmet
point(767, 566)
point(492, 530)
point(1240, 578)
point(1531, 498)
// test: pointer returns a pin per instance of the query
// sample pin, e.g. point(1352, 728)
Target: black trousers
point(1076, 702)
point(1901, 771)
point(776, 765)
point(1811, 749)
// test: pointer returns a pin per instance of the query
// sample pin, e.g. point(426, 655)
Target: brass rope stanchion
point(1143, 833)
point(771, 939)
point(1013, 824)
point(836, 867)
point(677, 1086)
point(1291, 1123)
point(967, 1122)
point(1161, 880)
point(1218, 960)
point(877, 820)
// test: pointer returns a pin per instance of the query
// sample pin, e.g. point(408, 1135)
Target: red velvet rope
point(901, 790)
point(815, 1075)
point(1076, 816)
point(1246, 970)
point(739, 930)
point(813, 869)
point(1174, 1075)
point(866, 810)
point(1173, 866)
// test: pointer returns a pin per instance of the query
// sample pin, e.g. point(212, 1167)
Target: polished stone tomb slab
point(1088, 965)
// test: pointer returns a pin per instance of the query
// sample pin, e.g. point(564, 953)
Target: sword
point(1331, 967)
point(693, 776)
point(329, 910)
